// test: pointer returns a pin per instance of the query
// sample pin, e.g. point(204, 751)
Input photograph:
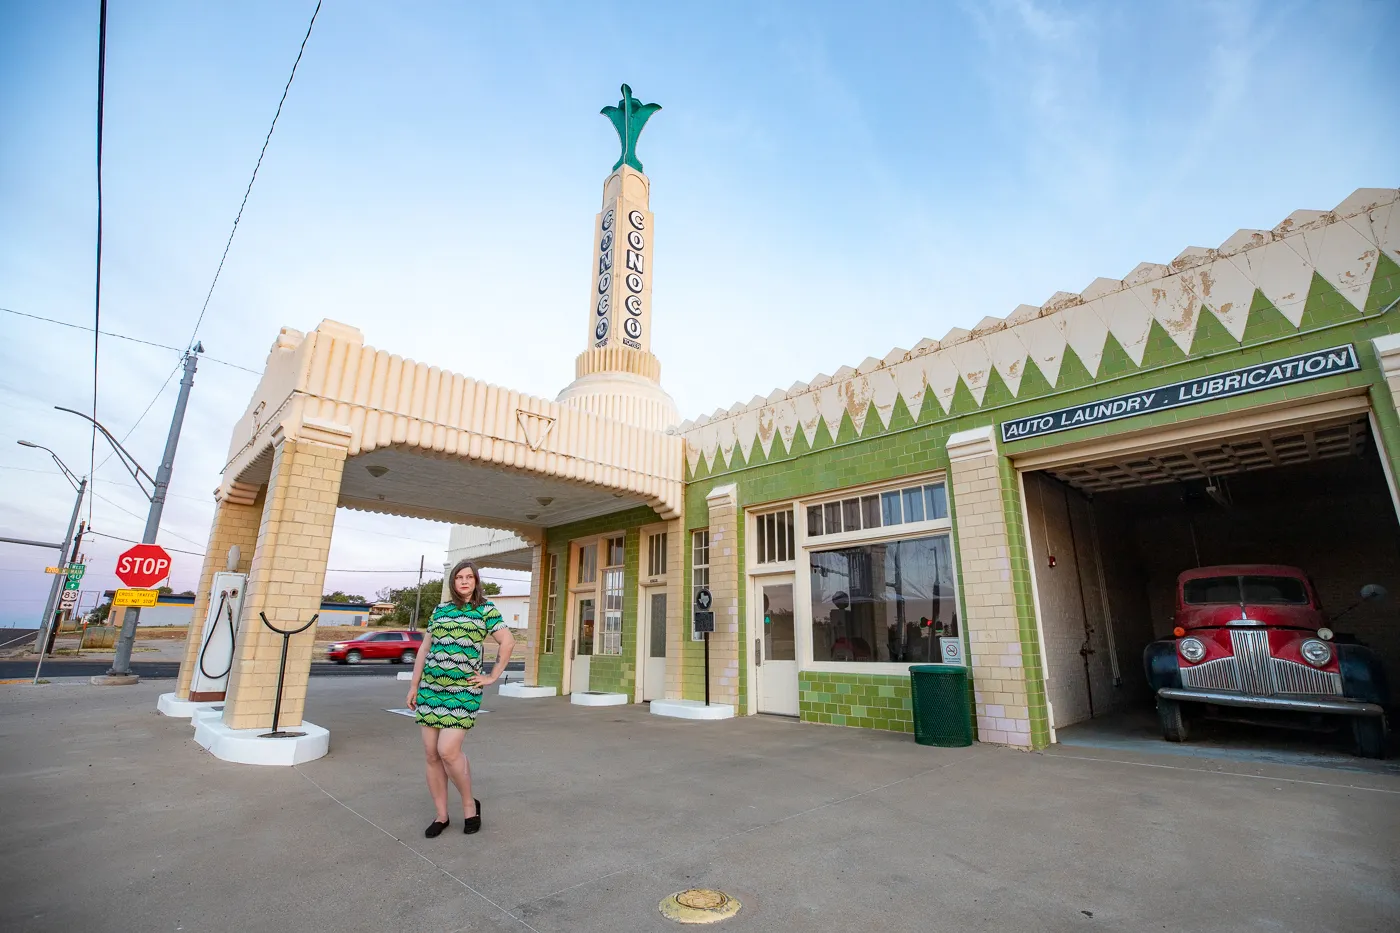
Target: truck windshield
point(1277, 591)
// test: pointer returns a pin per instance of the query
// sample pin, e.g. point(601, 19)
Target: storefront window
point(551, 603)
point(885, 602)
point(611, 642)
point(776, 541)
point(928, 503)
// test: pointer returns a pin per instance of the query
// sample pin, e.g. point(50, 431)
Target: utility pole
point(50, 629)
point(418, 593)
point(41, 641)
point(121, 662)
point(57, 622)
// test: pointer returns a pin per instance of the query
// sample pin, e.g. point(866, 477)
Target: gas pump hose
point(232, 633)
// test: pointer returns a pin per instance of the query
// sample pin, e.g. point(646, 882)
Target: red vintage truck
point(1250, 642)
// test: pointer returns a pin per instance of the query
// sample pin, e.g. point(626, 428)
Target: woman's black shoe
point(435, 830)
point(473, 824)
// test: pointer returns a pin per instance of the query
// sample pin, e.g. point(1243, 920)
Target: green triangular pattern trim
point(997, 392)
point(1073, 373)
point(846, 430)
point(1211, 335)
point(799, 443)
point(736, 457)
point(899, 415)
point(873, 425)
point(823, 435)
point(702, 469)
point(1160, 350)
point(756, 455)
point(1115, 360)
point(1033, 381)
point(962, 403)
point(930, 410)
point(1265, 322)
point(1325, 305)
point(1385, 286)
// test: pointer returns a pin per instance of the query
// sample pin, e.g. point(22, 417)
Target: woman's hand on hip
point(481, 680)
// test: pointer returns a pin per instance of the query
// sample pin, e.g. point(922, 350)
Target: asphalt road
point(166, 670)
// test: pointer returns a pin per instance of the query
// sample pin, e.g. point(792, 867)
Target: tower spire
point(616, 375)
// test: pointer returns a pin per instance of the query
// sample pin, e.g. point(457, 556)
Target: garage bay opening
point(1278, 530)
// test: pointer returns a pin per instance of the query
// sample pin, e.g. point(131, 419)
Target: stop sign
point(143, 566)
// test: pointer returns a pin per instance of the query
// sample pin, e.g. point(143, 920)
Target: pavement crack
point(511, 915)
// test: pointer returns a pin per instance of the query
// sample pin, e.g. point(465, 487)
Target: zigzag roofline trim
point(1171, 294)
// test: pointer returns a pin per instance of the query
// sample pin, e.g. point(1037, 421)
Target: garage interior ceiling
point(1256, 450)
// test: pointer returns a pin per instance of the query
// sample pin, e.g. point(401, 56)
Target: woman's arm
point(505, 645)
point(418, 661)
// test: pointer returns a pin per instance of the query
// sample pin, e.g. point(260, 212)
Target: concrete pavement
point(115, 820)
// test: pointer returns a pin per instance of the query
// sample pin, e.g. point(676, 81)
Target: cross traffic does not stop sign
point(143, 566)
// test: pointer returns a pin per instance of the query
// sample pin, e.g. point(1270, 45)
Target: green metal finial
point(628, 118)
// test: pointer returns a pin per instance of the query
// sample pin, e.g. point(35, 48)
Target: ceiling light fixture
point(376, 470)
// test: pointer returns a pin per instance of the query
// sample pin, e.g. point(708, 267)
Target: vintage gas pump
point(218, 638)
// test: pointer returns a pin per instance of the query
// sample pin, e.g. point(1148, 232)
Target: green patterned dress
point(445, 699)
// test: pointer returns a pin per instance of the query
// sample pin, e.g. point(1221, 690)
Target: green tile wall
point(611, 673)
point(867, 701)
point(914, 444)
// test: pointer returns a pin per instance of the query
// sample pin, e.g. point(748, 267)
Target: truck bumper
point(1338, 705)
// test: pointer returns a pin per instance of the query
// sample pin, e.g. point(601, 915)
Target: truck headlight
point(1192, 649)
point(1315, 652)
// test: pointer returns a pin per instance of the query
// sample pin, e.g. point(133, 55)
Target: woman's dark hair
point(457, 599)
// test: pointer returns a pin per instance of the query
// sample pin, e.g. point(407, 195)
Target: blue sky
point(829, 182)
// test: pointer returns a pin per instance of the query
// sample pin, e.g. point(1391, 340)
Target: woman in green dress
point(447, 687)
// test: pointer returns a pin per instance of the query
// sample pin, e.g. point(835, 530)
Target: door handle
point(758, 652)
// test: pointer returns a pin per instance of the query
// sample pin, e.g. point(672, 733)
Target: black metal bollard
point(281, 674)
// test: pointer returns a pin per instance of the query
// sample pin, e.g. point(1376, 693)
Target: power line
point(130, 541)
point(246, 193)
point(138, 421)
point(97, 282)
point(139, 518)
point(149, 343)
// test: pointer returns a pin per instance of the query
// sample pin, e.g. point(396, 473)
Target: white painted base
point(405, 675)
point(211, 713)
point(598, 699)
point(244, 747)
point(170, 705)
point(520, 690)
point(691, 709)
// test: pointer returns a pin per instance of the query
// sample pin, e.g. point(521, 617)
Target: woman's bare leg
point(437, 776)
point(458, 769)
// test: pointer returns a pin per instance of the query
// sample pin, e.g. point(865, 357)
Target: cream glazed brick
point(722, 502)
point(285, 582)
point(995, 654)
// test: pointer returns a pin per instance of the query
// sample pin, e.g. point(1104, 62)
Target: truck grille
point(1252, 662)
point(1253, 672)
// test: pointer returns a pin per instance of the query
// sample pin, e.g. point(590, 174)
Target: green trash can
point(941, 712)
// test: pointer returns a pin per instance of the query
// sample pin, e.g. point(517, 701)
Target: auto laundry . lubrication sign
point(1305, 366)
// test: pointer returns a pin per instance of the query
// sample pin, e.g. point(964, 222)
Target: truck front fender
point(1363, 677)
point(1160, 664)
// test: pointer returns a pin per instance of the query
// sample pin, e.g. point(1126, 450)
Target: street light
point(71, 476)
point(48, 620)
point(120, 672)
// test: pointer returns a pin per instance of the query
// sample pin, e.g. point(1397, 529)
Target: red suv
point(389, 646)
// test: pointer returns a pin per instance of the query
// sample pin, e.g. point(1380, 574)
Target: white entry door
point(775, 648)
point(583, 644)
point(654, 674)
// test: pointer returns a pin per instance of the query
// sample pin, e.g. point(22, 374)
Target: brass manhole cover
point(699, 905)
